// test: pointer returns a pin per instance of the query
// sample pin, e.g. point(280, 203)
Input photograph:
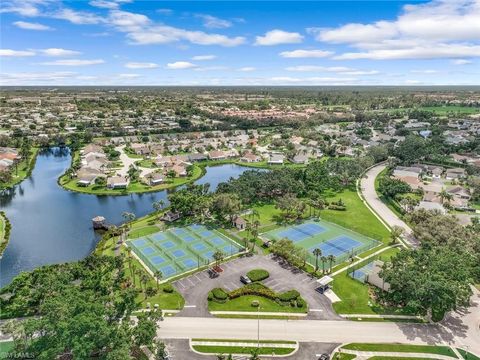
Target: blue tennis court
point(168, 270)
point(217, 241)
point(362, 273)
point(189, 263)
point(168, 244)
point(188, 238)
point(157, 260)
point(345, 243)
point(147, 251)
point(178, 253)
point(199, 246)
point(158, 237)
point(206, 233)
point(293, 234)
point(331, 238)
point(139, 242)
point(311, 229)
point(177, 250)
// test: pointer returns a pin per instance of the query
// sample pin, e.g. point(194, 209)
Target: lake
point(51, 225)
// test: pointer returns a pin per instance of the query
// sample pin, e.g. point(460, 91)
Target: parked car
point(324, 357)
point(213, 274)
point(245, 279)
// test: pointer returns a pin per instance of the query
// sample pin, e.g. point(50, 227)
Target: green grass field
point(23, 170)
point(5, 347)
point(406, 348)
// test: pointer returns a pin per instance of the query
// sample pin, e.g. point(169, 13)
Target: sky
point(132, 42)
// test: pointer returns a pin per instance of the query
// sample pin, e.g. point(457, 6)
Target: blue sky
point(127, 42)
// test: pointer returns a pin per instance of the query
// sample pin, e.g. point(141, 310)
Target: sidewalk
point(255, 313)
point(369, 354)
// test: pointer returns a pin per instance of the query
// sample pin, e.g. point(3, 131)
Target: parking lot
point(195, 288)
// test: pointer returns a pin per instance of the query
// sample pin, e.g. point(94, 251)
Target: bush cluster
point(289, 298)
point(168, 288)
point(258, 274)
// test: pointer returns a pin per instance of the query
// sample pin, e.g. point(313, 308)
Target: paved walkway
point(127, 161)
point(244, 344)
point(368, 354)
point(367, 187)
point(372, 316)
point(255, 313)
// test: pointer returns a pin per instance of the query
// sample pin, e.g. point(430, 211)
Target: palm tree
point(331, 260)
point(323, 259)
point(218, 256)
point(396, 233)
point(317, 252)
point(158, 276)
point(129, 259)
point(128, 217)
point(445, 196)
point(144, 280)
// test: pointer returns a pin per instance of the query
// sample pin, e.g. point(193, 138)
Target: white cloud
point(204, 57)
point(29, 78)
point(78, 17)
point(104, 4)
point(164, 34)
point(335, 69)
point(129, 76)
point(461, 62)
point(438, 29)
point(276, 37)
point(247, 69)
point(73, 62)
point(27, 8)
point(213, 22)
point(59, 52)
point(165, 11)
point(305, 53)
point(426, 71)
point(31, 26)
point(127, 21)
point(420, 52)
point(141, 65)
point(16, 53)
point(181, 65)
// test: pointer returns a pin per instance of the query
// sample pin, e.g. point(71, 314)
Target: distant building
point(277, 159)
point(117, 182)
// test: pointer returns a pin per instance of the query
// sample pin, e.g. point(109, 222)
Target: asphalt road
point(367, 186)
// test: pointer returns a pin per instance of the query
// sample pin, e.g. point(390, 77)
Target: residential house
point(117, 182)
point(276, 159)
point(250, 158)
point(240, 223)
point(456, 173)
point(299, 159)
point(217, 155)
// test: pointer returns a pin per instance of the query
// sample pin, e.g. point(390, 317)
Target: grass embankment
point(267, 347)
point(402, 348)
point(23, 169)
point(5, 347)
point(165, 300)
point(356, 296)
point(133, 187)
point(468, 355)
point(5, 228)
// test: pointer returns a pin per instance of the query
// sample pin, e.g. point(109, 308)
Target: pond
point(51, 225)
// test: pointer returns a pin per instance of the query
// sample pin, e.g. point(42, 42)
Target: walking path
point(259, 313)
point(244, 344)
point(127, 161)
point(372, 316)
point(367, 188)
point(368, 354)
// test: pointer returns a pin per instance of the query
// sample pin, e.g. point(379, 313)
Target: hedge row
point(288, 298)
point(258, 274)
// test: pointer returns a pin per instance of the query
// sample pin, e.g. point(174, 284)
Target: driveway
point(127, 161)
point(367, 186)
point(195, 288)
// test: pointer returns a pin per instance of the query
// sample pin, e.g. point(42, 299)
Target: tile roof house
point(117, 182)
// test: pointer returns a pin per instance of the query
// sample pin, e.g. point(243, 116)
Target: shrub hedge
point(219, 294)
point(258, 274)
point(168, 288)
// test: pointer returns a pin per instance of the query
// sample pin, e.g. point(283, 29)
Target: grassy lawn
point(395, 358)
point(355, 295)
point(244, 303)
point(468, 355)
point(208, 349)
point(357, 217)
point(143, 231)
point(5, 347)
point(24, 169)
point(146, 163)
point(133, 187)
point(406, 348)
point(342, 356)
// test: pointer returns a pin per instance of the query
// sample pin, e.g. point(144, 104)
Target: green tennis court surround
point(181, 249)
point(330, 238)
